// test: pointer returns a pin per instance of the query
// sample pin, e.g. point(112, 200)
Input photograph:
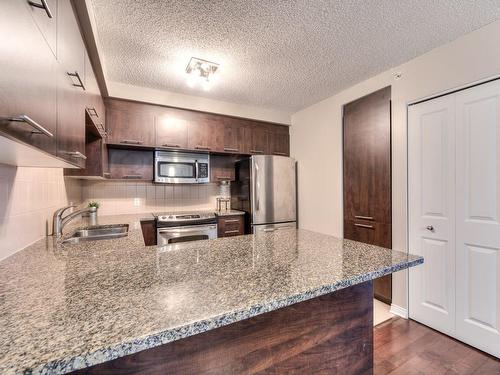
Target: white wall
point(144, 94)
point(28, 199)
point(316, 132)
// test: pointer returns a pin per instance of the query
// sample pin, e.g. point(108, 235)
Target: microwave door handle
point(196, 169)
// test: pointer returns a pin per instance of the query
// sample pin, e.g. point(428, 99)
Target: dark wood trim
point(83, 18)
point(331, 334)
point(149, 232)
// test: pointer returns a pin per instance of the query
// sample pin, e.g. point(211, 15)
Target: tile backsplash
point(118, 197)
point(28, 199)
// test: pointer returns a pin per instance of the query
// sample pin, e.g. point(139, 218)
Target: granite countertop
point(229, 213)
point(69, 306)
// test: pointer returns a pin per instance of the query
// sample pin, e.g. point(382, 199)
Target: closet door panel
point(431, 185)
point(478, 214)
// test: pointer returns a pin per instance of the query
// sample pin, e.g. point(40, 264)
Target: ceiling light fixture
point(200, 71)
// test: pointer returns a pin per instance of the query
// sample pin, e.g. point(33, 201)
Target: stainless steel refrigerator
point(265, 188)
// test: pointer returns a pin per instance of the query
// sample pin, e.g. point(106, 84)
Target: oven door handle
point(191, 228)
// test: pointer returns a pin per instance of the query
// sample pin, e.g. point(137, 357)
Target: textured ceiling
point(277, 54)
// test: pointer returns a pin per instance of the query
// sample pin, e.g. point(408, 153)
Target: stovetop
point(184, 217)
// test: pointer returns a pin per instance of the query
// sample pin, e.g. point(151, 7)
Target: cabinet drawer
point(370, 232)
point(230, 225)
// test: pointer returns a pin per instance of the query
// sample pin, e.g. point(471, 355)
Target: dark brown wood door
point(222, 168)
point(71, 95)
point(205, 134)
point(130, 123)
point(171, 129)
point(229, 226)
point(233, 135)
point(279, 141)
point(27, 78)
point(256, 139)
point(131, 164)
point(367, 176)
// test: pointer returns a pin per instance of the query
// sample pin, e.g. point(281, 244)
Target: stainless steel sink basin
point(101, 232)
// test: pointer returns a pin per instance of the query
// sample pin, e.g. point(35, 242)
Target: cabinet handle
point(80, 84)
point(106, 174)
point(280, 153)
point(43, 6)
point(132, 176)
point(256, 151)
point(94, 112)
point(169, 145)
point(131, 142)
point(430, 228)
point(202, 148)
point(363, 226)
point(231, 231)
point(76, 154)
point(363, 217)
point(223, 177)
point(232, 220)
point(35, 125)
point(229, 149)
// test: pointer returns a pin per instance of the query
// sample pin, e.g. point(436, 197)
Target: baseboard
point(399, 311)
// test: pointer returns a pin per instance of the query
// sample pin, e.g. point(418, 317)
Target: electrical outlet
point(137, 202)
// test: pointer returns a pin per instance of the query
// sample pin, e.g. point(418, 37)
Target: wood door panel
point(373, 233)
point(171, 129)
point(130, 123)
point(331, 334)
point(228, 226)
point(27, 84)
point(131, 164)
point(367, 157)
point(47, 25)
point(222, 168)
point(205, 133)
point(233, 136)
point(279, 143)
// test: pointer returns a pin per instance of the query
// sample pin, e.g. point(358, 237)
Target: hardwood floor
point(407, 347)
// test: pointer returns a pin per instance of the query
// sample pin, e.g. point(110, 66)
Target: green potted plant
point(93, 206)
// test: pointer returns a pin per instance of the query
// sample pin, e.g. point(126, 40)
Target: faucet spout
point(60, 222)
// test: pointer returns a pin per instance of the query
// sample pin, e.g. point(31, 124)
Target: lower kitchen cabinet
point(130, 164)
point(228, 226)
point(148, 228)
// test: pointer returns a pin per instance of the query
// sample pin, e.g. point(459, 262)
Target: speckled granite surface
point(65, 307)
point(229, 213)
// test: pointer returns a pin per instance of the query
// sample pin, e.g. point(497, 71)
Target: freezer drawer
point(273, 227)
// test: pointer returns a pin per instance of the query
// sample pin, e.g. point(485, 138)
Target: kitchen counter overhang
point(67, 307)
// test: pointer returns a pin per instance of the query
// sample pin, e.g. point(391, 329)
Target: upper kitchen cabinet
point(256, 139)
point(233, 136)
point(279, 140)
point(205, 133)
point(171, 129)
point(94, 103)
point(130, 123)
point(44, 13)
point(71, 94)
point(27, 78)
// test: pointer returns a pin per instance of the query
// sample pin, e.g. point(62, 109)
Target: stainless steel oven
point(172, 167)
point(182, 227)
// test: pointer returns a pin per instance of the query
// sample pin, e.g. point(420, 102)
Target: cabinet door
point(71, 96)
point(131, 164)
point(258, 139)
point(130, 123)
point(222, 168)
point(367, 158)
point(205, 133)
point(45, 16)
point(27, 78)
point(233, 136)
point(93, 101)
point(171, 129)
point(279, 141)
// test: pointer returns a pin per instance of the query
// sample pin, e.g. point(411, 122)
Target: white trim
point(399, 311)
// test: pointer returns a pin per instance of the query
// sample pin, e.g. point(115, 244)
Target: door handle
point(39, 128)
point(80, 82)
point(363, 217)
point(430, 228)
point(363, 226)
point(196, 171)
point(43, 6)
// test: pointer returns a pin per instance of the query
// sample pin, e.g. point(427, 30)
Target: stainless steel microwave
point(172, 167)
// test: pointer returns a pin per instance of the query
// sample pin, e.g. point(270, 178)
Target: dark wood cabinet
point(71, 95)
point(46, 24)
point(367, 176)
point(130, 164)
point(149, 232)
point(228, 226)
point(205, 133)
point(233, 136)
point(279, 141)
point(27, 78)
point(222, 168)
point(256, 139)
point(94, 103)
point(130, 123)
point(171, 129)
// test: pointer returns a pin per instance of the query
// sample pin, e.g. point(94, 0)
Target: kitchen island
point(277, 302)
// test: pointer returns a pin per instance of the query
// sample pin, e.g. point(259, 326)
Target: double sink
point(98, 232)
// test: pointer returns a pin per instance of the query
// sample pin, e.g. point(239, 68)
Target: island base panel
point(331, 334)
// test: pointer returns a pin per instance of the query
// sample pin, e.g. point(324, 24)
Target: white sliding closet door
point(478, 216)
point(431, 174)
point(454, 214)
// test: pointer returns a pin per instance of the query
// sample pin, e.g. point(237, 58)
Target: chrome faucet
point(59, 222)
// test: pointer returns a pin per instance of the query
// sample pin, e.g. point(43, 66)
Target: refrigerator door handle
point(257, 187)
